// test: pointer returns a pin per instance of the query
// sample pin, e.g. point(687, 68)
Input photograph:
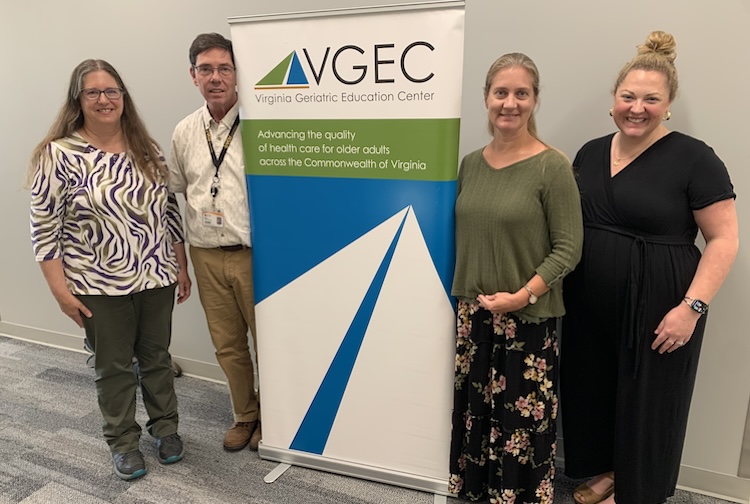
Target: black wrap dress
point(624, 406)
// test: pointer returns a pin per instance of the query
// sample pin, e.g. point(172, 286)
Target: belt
point(635, 319)
point(232, 248)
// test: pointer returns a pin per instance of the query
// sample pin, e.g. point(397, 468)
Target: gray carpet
point(52, 451)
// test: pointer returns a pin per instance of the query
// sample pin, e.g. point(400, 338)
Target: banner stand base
point(276, 473)
point(288, 458)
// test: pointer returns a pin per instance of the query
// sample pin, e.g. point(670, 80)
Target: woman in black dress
point(637, 302)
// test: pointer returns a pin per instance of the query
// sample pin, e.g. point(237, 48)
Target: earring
point(667, 116)
point(610, 113)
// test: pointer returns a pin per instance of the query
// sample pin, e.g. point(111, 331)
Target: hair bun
point(661, 43)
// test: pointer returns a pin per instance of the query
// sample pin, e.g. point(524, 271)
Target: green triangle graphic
point(276, 76)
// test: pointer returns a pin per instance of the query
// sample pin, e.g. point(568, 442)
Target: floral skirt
point(504, 410)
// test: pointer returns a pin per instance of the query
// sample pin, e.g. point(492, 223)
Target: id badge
point(213, 218)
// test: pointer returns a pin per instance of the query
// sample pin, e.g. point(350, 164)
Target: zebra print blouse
point(112, 227)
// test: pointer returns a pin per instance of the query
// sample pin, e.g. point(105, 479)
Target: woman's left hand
point(675, 329)
point(502, 302)
point(183, 285)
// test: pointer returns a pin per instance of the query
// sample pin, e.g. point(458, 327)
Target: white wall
point(579, 45)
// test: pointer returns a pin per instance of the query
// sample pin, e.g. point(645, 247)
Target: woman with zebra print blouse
point(108, 237)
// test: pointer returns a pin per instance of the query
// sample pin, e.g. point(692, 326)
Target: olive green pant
point(122, 327)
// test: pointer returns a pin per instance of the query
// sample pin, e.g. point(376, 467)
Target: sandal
point(583, 494)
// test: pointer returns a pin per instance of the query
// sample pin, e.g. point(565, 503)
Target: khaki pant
point(225, 287)
point(122, 327)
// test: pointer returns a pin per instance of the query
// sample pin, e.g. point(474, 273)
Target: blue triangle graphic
point(296, 74)
point(315, 428)
point(302, 209)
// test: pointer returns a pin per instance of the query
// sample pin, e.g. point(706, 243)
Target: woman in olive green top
point(518, 233)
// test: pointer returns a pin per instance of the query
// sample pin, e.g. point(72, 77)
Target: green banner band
point(396, 149)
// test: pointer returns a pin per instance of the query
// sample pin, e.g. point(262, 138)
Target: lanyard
point(220, 159)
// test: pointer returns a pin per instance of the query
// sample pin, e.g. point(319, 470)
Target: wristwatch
point(696, 304)
point(532, 297)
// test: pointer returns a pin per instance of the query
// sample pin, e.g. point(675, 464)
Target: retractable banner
point(350, 125)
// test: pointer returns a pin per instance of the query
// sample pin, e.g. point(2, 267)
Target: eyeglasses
point(208, 70)
point(94, 94)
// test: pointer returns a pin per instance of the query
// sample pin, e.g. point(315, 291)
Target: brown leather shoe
point(255, 438)
point(238, 435)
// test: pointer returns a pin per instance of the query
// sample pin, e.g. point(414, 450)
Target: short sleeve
point(177, 182)
point(709, 179)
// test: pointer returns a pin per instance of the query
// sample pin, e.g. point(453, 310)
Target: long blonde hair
point(140, 145)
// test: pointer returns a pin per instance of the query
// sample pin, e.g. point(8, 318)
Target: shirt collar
point(228, 118)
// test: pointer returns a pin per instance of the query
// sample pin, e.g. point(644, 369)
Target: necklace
point(619, 160)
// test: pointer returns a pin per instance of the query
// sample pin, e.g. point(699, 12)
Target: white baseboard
point(202, 370)
point(693, 479)
point(191, 367)
point(712, 484)
point(49, 338)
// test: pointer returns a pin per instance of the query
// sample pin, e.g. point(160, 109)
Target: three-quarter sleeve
point(172, 210)
point(174, 220)
point(48, 201)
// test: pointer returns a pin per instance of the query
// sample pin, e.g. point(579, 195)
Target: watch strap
point(533, 298)
point(696, 304)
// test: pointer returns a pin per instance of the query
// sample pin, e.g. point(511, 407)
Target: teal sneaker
point(170, 449)
point(130, 465)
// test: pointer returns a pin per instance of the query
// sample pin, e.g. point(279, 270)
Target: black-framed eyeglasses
point(94, 94)
point(208, 70)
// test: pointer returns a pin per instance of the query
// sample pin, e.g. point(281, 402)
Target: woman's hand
point(718, 224)
point(503, 302)
point(70, 305)
point(183, 279)
point(183, 285)
point(73, 308)
point(675, 329)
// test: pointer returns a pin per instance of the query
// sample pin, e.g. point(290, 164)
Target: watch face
point(699, 306)
point(532, 297)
